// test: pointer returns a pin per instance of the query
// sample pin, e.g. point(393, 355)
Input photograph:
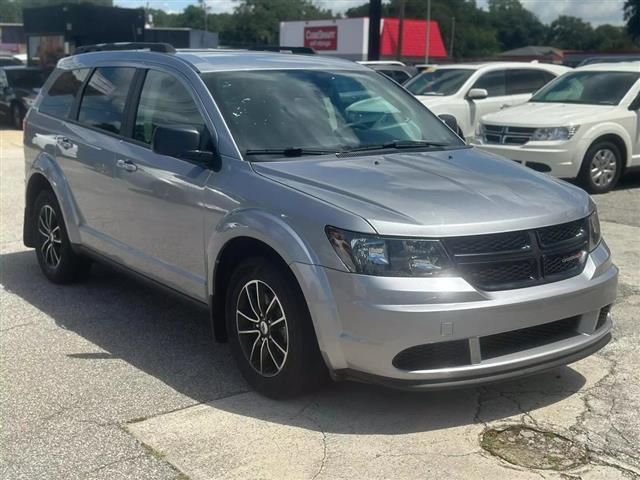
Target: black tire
point(17, 115)
point(302, 368)
point(57, 260)
point(599, 154)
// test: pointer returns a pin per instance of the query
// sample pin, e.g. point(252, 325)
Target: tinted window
point(61, 95)
point(397, 75)
point(588, 87)
point(492, 82)
point(446, 81)
point(104, 98)
point(26, 78)
point(164, 100)
point(526, 80)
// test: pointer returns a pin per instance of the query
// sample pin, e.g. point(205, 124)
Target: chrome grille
point(505, 135)
point(520, 259)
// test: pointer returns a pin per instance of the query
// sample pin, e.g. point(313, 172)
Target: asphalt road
point(113, 379)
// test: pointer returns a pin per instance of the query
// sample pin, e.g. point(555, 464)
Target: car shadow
point(169, 338)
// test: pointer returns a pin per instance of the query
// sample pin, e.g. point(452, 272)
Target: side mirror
point(450, 121)
point(477, 94)
point(180, 142)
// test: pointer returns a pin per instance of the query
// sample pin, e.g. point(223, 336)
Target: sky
point(594, 11)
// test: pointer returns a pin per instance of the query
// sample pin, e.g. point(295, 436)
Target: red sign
point(321, 38)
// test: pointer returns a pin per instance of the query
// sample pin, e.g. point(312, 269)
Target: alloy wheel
point(49, 229)
point(603, 167)
point(262, 328)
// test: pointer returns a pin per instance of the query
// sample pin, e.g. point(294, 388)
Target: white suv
point(585, 124)
point(469, 91)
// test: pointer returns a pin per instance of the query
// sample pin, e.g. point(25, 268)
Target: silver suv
point(334, 226)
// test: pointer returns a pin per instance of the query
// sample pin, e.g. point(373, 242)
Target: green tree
point(515, 26)
point(257, 22)
point(632, 17)
point(570, 33)
point(610, 37)
point(11, 11)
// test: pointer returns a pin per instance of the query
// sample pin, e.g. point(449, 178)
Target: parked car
point(332, 224)
point(610, 59)
point(6, 60)
point(19, 86)
point(584, 124)
point(395, 70)
point(469, 91)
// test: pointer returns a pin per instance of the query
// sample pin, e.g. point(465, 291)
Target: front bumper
point(560, 159)
point(364, 322)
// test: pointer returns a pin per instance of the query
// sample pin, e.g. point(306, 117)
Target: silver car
point(333, 225)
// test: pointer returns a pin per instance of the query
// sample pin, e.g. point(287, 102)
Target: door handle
point(127, 165)
point(504, 105)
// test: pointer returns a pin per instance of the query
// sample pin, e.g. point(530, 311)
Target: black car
point(6, 60)
point(19, 86)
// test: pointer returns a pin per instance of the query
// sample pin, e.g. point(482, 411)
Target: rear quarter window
point(60, 97)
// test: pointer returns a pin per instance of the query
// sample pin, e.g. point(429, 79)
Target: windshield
point(446, 81)
point(591, 88)
point(321, 111)
point(26, 78)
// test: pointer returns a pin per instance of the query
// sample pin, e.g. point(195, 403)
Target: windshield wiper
point(397, 144)
point(289, 152)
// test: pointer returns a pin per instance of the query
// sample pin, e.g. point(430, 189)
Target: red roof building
point(414, 38)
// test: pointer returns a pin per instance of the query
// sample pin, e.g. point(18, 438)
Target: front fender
point(275, 232)
point(260, 225)
point(44, 164)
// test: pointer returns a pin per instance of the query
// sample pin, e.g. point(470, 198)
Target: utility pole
point(375, 12)
point(428, 39)
point(453, 32)
point(204, 9)
point(400, 31)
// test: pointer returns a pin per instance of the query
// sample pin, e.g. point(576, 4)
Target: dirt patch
point(532, 448)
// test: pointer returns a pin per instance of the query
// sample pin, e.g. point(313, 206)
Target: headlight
point(594, 231)
point(390, 257)
point(554, 133)
point(480, 130)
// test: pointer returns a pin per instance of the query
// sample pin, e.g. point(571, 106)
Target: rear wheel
point(601, 167)
point(271, 332)
point(57, 260)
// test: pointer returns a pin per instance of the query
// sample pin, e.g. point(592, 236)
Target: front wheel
point(270, 331)
point(601, 167)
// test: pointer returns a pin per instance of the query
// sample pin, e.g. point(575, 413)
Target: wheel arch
point(242, 234)
point(614, 133)
point(45, 173)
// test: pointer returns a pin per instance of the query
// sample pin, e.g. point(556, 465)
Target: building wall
point(351, 40)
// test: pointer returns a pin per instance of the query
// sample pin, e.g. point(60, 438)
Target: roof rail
point(106, 47)
point(282, 49)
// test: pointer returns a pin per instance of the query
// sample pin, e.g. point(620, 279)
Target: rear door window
point(164, 101)
point(63, 92)
point(493, 82)
point(526, 80)
point(104, 100)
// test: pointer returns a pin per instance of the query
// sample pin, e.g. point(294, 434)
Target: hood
point(533, 114)
point(444, 193)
